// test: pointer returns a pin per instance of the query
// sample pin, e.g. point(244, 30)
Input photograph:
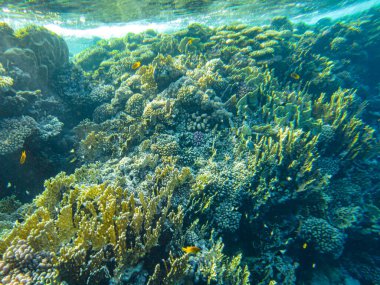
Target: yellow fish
point(191, 249)
point(136, 65)
point(304, 246)
point(23, 157)
point(295, 76)
point(189, 42)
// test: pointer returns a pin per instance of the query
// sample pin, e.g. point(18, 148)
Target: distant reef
point(230, 155)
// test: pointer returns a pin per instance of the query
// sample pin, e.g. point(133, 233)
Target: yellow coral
point(73, 218)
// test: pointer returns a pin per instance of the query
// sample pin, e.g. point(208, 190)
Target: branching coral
point(175, 271)
point(283, 164)
point(78, 221)
point(356, 139)
point(216, 267)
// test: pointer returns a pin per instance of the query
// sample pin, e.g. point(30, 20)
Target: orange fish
point(23, 157)
point(295, 76)
point(136, 65)
point(191, 249)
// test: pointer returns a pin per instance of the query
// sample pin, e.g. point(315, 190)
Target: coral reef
point(252, 145)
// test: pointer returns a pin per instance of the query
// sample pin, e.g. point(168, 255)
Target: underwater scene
point(189, 142)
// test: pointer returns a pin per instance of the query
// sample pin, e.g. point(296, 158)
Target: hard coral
point(50, 50)
point(80, 222)
point(14, 132)
point(323, 237)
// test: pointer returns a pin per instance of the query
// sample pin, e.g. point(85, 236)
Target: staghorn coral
point(281, 23)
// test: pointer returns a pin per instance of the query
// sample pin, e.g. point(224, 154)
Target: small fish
point(72, 150)
point(295, 76)
point(272, 282)
point(23, 157)
point(9, 185)
point(190, 41)
point(27, 192)
point(136, 65)
point(191, 249)
point(304, 246)
point(73, 160)
point(314, 265)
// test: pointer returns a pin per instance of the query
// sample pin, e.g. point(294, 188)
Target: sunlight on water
point(78, 25)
